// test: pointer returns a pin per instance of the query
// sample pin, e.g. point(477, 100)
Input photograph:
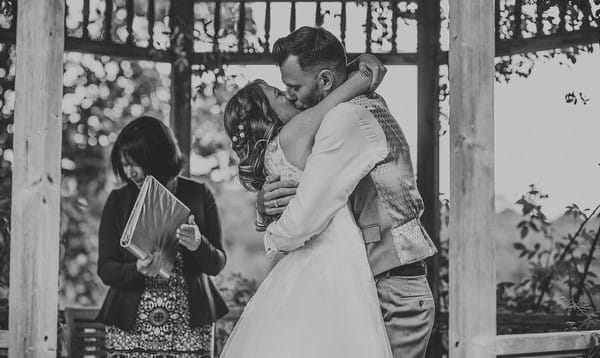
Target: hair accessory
point(241, 135)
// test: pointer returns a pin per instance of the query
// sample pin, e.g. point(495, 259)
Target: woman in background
point(147, 316)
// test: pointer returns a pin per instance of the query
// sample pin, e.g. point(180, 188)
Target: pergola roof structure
point(479, 32)
point(521, 26)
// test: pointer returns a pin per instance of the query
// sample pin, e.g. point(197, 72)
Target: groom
point(360, 157)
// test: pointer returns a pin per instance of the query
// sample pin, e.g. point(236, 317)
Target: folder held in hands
point(152, 224)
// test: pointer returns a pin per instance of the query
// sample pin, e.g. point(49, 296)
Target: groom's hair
point(314, 47)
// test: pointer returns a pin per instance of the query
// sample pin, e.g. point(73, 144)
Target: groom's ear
point(326, 79)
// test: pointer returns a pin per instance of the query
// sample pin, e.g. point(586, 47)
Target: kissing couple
point(340, 208)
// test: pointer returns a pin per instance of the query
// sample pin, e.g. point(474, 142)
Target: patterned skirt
point(162, 327)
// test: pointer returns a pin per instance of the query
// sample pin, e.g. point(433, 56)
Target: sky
point(539, 138)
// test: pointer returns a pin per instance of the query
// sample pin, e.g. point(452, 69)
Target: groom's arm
point(347, 146)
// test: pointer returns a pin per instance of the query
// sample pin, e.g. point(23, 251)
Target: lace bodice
point(277, 164)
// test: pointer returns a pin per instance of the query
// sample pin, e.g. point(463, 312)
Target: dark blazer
point(116, 265)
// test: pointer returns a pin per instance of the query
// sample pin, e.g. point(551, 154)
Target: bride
point(318, 300)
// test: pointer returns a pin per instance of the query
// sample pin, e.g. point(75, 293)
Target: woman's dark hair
point(314, 46)
point(251, 124)
point(150, 144)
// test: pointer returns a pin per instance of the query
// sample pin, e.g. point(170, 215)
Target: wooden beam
point(182, 18)
point(115, 50)
point(234, 58)
point(503, 48)
point(102, 48)
point(34, 247)
point(548, 42)
point(107, 31)
point(241, 26)
point(3, 339)
point(568, 344)
point(130, 8)
point(292, 15)
point(86, 19)
point(472, 321)
point(343, 23)
point(368, 27)
point(267, 26)
point(428, 148)
point(318, 14)
point(517, 21)
point(217, 26)
point(151, 14)
point(8, 36)
point(428, 114)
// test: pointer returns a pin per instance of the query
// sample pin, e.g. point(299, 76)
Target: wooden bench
point(84, 336)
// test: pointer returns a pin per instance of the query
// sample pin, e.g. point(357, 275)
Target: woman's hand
point(189, 234)
point(369, 62)
point(148, 266)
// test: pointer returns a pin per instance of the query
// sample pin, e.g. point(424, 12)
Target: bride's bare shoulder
point(293, 133)
point(296, 144)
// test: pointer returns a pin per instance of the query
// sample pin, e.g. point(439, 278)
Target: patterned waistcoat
point(386, 203)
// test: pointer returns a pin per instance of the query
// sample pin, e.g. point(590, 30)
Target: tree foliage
point(554, 262)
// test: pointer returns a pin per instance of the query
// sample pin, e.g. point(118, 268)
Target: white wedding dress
point(319, 301)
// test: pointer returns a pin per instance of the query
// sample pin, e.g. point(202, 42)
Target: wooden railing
point(3, 343)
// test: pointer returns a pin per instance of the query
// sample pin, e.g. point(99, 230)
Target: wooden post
point(33, 299)
point(428, 149)
point(472, 326)
point(428, 124)
point(182, 21)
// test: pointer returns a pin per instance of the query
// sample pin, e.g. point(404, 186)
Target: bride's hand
point(369, 62)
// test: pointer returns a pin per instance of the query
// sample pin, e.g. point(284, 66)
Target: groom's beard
point(318, 99)
point(302, 106)
point(322, 96)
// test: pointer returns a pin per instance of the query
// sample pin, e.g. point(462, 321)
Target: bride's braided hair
point(251, 124)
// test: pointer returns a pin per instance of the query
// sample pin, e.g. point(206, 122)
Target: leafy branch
point(566, 250)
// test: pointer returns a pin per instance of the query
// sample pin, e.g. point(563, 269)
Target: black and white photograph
point(299, 178)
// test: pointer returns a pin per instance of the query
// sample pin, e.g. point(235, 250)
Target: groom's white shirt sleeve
point(347, 146)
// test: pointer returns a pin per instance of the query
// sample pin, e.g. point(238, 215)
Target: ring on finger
point(276, 203)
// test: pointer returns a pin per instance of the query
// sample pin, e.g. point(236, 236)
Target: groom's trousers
point(408, 311)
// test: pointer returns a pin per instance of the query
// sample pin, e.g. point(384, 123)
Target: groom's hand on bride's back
point(275, 195)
